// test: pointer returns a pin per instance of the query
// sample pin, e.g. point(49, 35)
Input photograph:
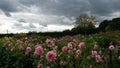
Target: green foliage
point(12, 57)
point(110, 25)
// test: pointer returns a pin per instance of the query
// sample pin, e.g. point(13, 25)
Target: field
point(91, 51)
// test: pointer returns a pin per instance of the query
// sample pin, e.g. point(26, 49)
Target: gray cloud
point(56, 12)
point(21, 26)
point(21, 21)
point(32, 26)
point(104, 7)
point(64, 7)
point(8, 6)
point(72, 8)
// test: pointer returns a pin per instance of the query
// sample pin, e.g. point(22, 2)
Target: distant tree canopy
point(103, 25)
point(85, 21)
point(84, 24)
point(110, 25)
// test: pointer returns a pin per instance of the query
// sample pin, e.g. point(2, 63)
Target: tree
point(104, 25)
point(85, 20)
point(115, 24)
point(110, 25)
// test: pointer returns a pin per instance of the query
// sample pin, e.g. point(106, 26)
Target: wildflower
point(70, 52)
point(56, 47)
point(49, 41)
point(81, 45)
point(48, 67)
point(19, 41)
point(63, 63)
point(51, 56)
point(69, 46)
point(94, 53)
point(95, 46)
point(99, 52)
point(78, 51)
point(12, 49)
point(28, 50)
point(74, 41)
point(111, 47)
point(39, 66)
point(36, 46)
point(38, 51)
point(64, 49)
point(91, 66)
point(98, 58)
point(119, 57)
point(20, 47)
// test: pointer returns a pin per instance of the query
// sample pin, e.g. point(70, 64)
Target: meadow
point(91, 51)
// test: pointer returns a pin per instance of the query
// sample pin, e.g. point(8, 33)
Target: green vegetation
point(13, 51)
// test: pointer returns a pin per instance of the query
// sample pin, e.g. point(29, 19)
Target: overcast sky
point(51, 15)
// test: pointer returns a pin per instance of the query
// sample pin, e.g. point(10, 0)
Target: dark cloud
point(104, 7)
point(73, 8)
point(56, 12)
point(65, 7)
point(8, 6)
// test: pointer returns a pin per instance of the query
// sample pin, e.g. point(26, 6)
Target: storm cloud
point(41, 15)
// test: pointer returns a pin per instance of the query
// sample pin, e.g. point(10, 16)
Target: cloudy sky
point(51, 15)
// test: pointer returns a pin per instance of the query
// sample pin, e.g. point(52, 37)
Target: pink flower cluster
point(64, 49)
point(94, 53)
point(28, 50)
point(81, 45)
point(97, 56)
point(38, 51)
point(51, 56)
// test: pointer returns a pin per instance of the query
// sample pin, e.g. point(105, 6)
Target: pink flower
point(51, 56)
point(119, 57)
point(81, 45)
point(100, 52)
point(36, 46)
point(74, 41)
point(69, 46)
point(98, 58)
point(20, 47)
point(94, 53)
point(49, 41)
point(28, 50)
point(111, 47)
point(64, 49)
point(38, 51)
point(39, 66)
point(63, 63)
point(78, 51)
point(91, 66)
point(19, 41)
point(95, 46)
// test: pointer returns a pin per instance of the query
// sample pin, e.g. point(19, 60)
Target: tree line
point(84, 24)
